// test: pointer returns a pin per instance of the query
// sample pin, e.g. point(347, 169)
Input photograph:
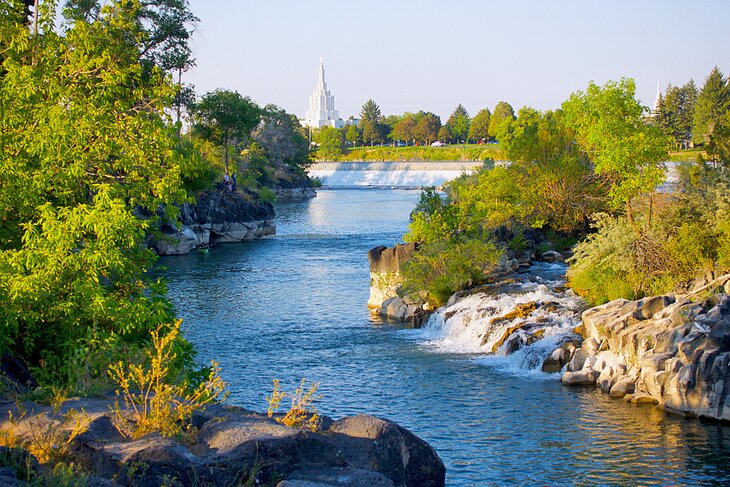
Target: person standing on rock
point(233, 178)
point(226, 181)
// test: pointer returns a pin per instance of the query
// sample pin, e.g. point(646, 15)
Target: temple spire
point(322, 111)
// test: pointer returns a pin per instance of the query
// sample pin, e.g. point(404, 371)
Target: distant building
point(322, 111)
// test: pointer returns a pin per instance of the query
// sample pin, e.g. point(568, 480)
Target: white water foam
point(471, 326)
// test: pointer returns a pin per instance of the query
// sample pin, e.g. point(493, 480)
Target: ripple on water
point(293, 306)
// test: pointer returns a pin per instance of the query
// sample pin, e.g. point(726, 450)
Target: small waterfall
point(389, 174)
point(513, 326)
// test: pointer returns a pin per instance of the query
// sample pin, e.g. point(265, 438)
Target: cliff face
point(667, 350)
point(217, 217)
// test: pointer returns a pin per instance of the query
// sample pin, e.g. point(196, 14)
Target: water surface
point(294, 306)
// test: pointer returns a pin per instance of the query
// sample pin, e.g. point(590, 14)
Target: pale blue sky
point(410, 55)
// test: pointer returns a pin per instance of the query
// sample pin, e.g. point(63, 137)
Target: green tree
point(500, 120)
point(427, 127)
point(404, 130)
point(370, 122)
point(609, 125)
point(459, 123)
point(713, 102)
point(225, 117)
point(445, 135)
point(352, 134)
point(330, 143)
point(279, 134)
point(86, 148)
point(479, 128)
point(674, 112)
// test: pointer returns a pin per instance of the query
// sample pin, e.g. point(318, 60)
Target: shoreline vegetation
point(456, 152)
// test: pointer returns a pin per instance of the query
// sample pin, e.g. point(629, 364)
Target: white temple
point(322, 111)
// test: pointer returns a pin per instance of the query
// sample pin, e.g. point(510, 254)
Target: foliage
point(459, 123)
point(479, 128)
point(224, 117)
point(442, 267)
point(424, 153)
point(266, 194)
point(609, 126)
point(500, 120)
point(157, 396)
point(352, 134)
point(301, 413)
point(713, 102)
point(45, 437)
point(330, 143)
point(86, 148)
point(675, 112)
point(281, 137)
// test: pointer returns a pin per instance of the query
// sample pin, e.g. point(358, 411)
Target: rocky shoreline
point(216, 217)
point(227, 446)
point(672, 351)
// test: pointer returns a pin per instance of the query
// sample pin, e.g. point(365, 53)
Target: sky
point(411, 55)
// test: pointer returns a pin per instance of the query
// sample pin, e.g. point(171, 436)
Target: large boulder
point(385, 447)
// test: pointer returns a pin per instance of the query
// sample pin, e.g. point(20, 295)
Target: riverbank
point(471, 152)
point(224, 445)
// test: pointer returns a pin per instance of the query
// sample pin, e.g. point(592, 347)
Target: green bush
point(266, 194)
point(443, 267)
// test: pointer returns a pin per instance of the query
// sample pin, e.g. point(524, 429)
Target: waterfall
point(389, 174)
point(513, 326)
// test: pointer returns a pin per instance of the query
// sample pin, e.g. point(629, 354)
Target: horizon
point(420, 56)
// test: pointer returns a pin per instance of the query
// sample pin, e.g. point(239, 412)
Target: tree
point(674, 112)
point(712, 103)
point(608, 124)
point(445, 135)
point(225, 117)
point(352, 134)
point(479, 128)
point(405, 128)
point(370, 121)
point(330, 143)
point(500, 120)
point(427, 127)
point(458, 123)
point(83, 154)
point(279, 135)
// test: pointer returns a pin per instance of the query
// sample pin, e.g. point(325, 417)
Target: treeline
point(690, 116)
point(589, 172)
point(411, 129)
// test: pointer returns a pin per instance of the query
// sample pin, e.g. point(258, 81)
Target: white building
point(322, 111)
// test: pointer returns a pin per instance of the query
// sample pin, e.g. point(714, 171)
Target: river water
point(294, 306)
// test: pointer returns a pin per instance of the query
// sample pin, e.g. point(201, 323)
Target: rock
point(583, 377)
point(643, 399)
point(677, 352)
point(383, 446)
point(579, 359)
point(623, 386)
point(386, 264)
point(336, 476)
point(216, 217)
point(551, 256)
point(555, 361)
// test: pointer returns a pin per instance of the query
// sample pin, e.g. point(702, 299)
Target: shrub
point(443, 267)
point(158, 398)
point(266, 194)
point(302, 413)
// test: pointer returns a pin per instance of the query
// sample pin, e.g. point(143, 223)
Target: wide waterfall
point(389, 174)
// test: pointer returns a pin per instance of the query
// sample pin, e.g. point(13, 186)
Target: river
point(294, 306)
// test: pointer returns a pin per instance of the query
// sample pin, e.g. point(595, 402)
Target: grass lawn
point(460, 152)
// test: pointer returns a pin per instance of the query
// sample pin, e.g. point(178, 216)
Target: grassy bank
point(471, 152)
point(689, 155)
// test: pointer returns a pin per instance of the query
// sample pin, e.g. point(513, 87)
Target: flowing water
point(294, 306)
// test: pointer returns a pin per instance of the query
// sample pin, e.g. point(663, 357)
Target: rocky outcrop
point(668, 350)
point(216, 217)
point(233, 446)
point(386, 265)
point(294, 193)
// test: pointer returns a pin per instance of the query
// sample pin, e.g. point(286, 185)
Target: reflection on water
point(294, 306)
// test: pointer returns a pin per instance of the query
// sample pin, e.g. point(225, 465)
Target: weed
point(155, 401)
point(301, 414)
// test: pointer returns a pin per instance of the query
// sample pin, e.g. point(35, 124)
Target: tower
point(322, 111)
